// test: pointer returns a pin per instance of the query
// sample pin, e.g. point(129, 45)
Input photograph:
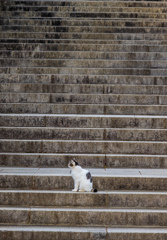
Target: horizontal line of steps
point(77, 22)
point(46, 108)
point(66, 98)
point(60, 179)
point(28, 133)
point(88, 55)
point(80, 233)
point(82, 71)
point(86, 9)
point(93, 48)
point(82, 79)
point(109, 199)
point(83, 146)
point(83, 36)
point(59, 160)
point(115, 35)
point(83, 88)
point(84, 63)
point(80, 29)
point(59, 4)
point(83, 217)
point(24, 44)
point(81, 3)
point(97, 15)
point(83, 121)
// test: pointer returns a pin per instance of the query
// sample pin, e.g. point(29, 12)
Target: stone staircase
point(83, 79)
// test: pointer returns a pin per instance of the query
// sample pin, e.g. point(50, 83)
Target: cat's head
point(73, 163)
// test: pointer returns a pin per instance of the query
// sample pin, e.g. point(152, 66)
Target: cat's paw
point(81, 190)
point(74, 190)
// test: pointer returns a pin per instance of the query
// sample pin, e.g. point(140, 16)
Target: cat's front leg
point(76, 185)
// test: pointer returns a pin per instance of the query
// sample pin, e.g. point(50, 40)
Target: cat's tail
point(94, 190)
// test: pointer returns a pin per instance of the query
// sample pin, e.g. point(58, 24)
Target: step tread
point(64, 209)
point(83, 115)
point(138, 173)
point(116, 192)
point(121, 229)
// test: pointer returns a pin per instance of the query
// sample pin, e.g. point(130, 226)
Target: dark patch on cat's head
point(88, 176)
point(76, 163)
point(73, 163)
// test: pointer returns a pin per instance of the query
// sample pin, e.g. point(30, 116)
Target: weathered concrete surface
point(92, 59)
point(82, 217)
point(83, 121)
point(83, 146)
point(57, 179)
point(58, 160)
point(80, 233)
point(109, 199)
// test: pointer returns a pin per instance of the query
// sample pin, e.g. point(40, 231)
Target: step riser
point(88, 161)
point(83, 109)
point(114, 3)
point(88, 147)
point(100, 64)
point(82, 99)
point(107, 48)
point(106, 36)
point(85, 9)
point(83, 88)
point(83, 79)
point(79, 29)
point(114, 15)
point(83, 71)
point(22, 23)
point(82, 55)
point(33, 235)
point(30, 44)
point(84, 134)
point(83, 200)
point(82, 218)
point(61, 161)
point(83, 122)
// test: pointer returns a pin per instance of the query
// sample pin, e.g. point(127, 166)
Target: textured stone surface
point(83, 79)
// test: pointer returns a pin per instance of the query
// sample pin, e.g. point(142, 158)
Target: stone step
point(82, 79)
point(61, 179)
point(80, 29)
point(86, 9)
point(87, 160)
point(83, 88)
point(83, 146)
point(83, 121)
point(84, 22)
point(81, 233)
point(76, 47)
point(116, 3)
point(118, 34)
point(103, 109)
point(66, 98)
point(84, 63)
point(46, 55)
point(19, 37)
point(112, 134)
point(32, 44)
point(88, 71)
point(83, 217)
point(94, 4)
point(111, 199)
point(149, 13)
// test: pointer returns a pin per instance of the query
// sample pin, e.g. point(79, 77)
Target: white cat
point(82, 178)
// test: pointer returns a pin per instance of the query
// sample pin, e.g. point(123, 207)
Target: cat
point(82, 178)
